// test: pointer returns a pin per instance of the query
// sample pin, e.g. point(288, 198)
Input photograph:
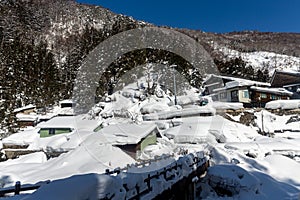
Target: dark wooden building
point(262, 95)
point(288, 80)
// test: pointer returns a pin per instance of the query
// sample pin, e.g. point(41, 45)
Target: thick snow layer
point(185, 100)
point(242, 184)
point(22, 138)
point(30, 106)
point(209, 130)
point(280, 91)
point(80, 122)
point(87, 186)
point(283, 104)
point(124, 133)
point(154, 107)
point(81, 125)
point(272, 177)
point(270, 123)
point(185, 112)
point(27, 117)
point(226, 105)
point(89, 157)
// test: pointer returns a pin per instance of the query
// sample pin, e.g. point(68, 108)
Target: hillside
point(42, 47)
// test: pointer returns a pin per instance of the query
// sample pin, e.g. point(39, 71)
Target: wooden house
point(250, 93)
point(26, 116)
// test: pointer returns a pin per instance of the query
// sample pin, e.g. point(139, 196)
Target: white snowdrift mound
point(234, 181)
point(283, 104)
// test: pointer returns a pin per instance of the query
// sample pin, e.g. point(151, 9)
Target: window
point(273, 97)
point(246, 94)
point(223, 95)
point(263, 95)
point(234, 96)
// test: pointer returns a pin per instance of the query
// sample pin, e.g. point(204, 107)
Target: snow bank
point(211, 129)
point(232, 178)
point(236, 182)
point(283, 104)
point(284, 168)
point(186, 112)
point(271, 123)
point(89, 157)
point(185, 100)
point(154, 108)
point(226, 105)
point(78, 187)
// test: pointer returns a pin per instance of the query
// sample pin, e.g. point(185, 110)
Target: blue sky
point(212, 15)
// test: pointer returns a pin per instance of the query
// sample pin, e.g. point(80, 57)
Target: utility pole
point(174, 83)
point(262, 122)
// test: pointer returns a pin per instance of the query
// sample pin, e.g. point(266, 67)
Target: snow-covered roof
point(281, 78)
point(67, 111)
point(25, 117)
point(290, 72)
point(226, 105)
point(212, 84)
point(280, 91)
point(283, 104)
point(193, 130)
point(237, 82)
point(125, 133)
point(28, 107)
point(292, 85)
point(242, 82)
point(186, 112)
point(73, 122)
point(66, 101)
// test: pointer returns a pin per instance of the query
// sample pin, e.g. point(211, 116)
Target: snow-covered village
point(129, 110)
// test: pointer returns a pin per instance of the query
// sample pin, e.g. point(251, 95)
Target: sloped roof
point(231, 82)
point(282, 78)
point(28, 107)
point(73, 122)
point(243, 82)
point(124, 133)
point(280, 91)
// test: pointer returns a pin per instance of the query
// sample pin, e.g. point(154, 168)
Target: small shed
point(131, 138)
point(66, 107)
point(26, 120)
point(26, 116)
point(67, 103)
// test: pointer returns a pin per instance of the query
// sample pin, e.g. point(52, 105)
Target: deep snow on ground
point(244, 163)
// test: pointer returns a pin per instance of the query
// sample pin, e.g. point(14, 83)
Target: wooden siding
point(263, 97)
